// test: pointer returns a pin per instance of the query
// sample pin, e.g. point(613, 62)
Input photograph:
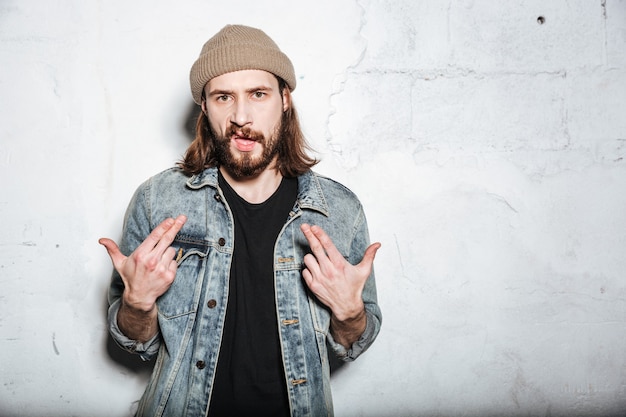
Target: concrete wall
point(486, 140)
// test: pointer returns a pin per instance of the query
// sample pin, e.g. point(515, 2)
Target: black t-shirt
point(250, 379)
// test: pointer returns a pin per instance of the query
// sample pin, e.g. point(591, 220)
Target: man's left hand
point(336, 283)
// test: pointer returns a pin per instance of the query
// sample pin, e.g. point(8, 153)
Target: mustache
point(244, 132)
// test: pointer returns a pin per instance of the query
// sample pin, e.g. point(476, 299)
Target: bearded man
point(241, 268)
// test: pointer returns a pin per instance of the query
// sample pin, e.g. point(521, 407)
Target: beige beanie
point(236, 48)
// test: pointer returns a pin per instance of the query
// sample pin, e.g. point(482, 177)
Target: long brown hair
point(293, 159)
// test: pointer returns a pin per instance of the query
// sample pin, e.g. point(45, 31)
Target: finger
point(170, 254)
point(173, 266)
point(163, 235)
point(170, 264)
point(308, 278)
point(113, 250)
point(315, 285)
point(369, 255)
point(170, 235)
point(318, 248)
point(331, 250)
point(155, 236)
point(312, 265)
point(310, 281)
point(314, 243)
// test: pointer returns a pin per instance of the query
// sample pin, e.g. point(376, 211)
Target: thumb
point(113, 250)
point(370, 254)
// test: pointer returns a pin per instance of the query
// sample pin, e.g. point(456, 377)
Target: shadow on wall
point(189, 121)
point(129, 361)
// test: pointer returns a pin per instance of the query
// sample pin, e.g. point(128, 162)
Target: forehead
point(242, 80)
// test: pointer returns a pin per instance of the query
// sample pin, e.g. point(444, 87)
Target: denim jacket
point(191, 313)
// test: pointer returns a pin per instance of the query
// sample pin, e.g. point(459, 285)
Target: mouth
point(243, 143)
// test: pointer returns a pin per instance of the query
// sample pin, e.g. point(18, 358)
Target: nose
point(241, 113)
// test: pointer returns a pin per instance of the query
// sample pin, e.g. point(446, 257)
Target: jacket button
point(217, 197)
point(200, 364)
point(211, 304)
point(221, 241)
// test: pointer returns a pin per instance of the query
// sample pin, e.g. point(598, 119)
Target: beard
point(245, 165)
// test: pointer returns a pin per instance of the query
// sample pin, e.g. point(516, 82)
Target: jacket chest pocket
point(181, 298)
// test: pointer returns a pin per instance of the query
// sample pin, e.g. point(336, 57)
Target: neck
point(255, 189)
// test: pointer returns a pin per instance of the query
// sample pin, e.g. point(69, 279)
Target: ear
point(286, 99)
point(203, 99)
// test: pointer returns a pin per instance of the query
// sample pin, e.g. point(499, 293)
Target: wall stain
point(54, 344)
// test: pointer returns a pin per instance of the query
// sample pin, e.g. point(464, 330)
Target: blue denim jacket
point(191, 313)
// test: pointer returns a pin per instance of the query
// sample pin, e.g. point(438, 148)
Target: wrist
point(136, 305)
point(137, 322)
point(349, 315)
point(347, 330)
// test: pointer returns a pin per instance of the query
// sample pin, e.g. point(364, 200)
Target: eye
point(259, 94)
point(222, 98)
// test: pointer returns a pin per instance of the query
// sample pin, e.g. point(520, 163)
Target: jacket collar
point(206, 177)
point(310, 195)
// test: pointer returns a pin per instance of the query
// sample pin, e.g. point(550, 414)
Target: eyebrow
point(220, 92)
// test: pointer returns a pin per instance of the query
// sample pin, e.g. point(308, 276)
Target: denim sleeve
point(360, 242)
point(145, 350)
point(371, 331)
point(137, 226)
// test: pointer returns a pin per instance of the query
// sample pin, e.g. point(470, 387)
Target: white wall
point(488, 150)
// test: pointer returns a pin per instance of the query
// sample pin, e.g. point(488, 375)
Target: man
point(240, 267)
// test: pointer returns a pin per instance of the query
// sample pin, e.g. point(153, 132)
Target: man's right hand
point(147, 274)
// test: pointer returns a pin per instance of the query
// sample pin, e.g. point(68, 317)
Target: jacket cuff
point(358, 347)
point(145, 350)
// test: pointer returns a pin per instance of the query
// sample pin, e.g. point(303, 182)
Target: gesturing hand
point(336, 283)
point(150, 270)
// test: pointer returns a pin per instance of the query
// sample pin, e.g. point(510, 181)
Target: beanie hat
point(236, 48)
